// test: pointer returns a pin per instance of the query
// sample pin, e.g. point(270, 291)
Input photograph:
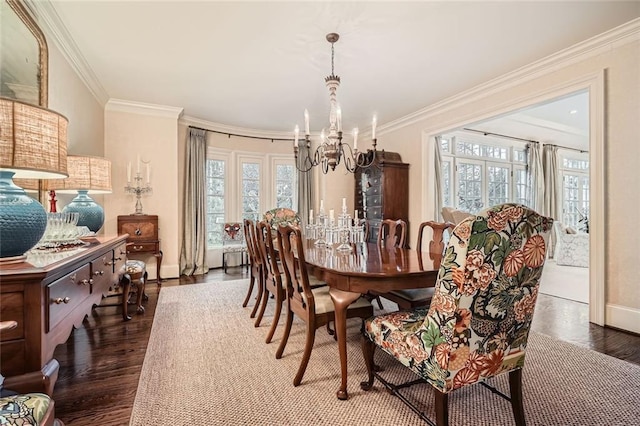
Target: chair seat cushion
point(25, 409)
point(324, 303)
point(135, 268)
point(414, 294)
point(234, 248)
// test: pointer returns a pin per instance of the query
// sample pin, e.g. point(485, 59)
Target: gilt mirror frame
point(27, 82)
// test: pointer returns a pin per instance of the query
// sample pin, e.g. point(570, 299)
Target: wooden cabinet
point(143, 236)
point(382, 191)
point(48, 294)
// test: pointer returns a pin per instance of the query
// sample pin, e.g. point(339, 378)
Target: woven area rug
point(206, 364)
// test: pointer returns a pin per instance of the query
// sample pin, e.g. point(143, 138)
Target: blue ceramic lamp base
point(23, 220)
point(91, 213)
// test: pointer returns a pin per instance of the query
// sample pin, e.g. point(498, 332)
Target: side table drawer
point(67, 293)
point(143, 247)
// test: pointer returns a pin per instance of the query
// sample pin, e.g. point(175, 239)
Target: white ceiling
point(258, 65)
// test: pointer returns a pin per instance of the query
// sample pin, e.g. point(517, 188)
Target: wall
point(134, 129)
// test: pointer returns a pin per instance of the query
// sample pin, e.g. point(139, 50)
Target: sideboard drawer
point(67, 293)
point(143, 247)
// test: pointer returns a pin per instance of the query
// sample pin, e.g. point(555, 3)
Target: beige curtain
point(194, 238)
point(305, 185)
point(536, 176)
point(552, 188)
point(438, 178)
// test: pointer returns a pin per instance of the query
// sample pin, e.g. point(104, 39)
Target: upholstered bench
point(28, 409)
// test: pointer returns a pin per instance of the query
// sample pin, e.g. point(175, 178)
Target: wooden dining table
point(365, 268)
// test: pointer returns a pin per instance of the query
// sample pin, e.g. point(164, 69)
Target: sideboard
point(48, 295)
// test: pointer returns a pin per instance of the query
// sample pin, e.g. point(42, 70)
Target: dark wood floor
point(101, 362)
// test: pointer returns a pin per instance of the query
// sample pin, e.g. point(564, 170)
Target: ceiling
point(258, 65)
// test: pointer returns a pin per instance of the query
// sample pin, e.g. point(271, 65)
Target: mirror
point(23, 55)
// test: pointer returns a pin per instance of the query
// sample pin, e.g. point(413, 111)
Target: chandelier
point(332, 150)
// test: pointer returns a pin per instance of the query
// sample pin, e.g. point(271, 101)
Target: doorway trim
point(594, 84)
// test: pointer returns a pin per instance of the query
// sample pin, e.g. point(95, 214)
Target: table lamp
point(87, 175)
point(33, 145)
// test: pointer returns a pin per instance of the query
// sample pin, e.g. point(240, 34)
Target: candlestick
point(339, 117)
point(306, 122)
point(321, 205)
point(296, 132)
point(373, 127)
point(355, 215)
point(331, 215)
point(344, 204)
point(311, 216)
point(355, 139)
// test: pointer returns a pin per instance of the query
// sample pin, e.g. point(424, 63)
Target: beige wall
point(151, 132)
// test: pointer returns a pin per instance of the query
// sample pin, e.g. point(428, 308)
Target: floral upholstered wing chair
point(478, 322)
point(281, 215)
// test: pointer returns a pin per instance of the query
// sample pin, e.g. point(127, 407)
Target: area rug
point(206, 364)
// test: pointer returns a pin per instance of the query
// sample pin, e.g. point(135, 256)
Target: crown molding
point(238, 131)
point(133, 107)
point(616, 37)
point(51, 24)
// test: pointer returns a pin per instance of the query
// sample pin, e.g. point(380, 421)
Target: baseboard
point(623, 318)
point(169, 271)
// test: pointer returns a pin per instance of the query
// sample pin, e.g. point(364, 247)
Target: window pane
point(469, 187)
point(215, 200)
point(285, 185)
point(250, 190)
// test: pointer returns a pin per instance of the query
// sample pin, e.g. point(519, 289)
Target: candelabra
point(327, 232)
point(138, 190)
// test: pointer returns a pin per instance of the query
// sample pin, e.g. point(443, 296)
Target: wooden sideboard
point(143, 236)
point(48, 295)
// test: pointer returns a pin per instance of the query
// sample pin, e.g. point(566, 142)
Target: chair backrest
point(437, 242)
point(250, 237)
point(265, 244)
point(281, 215)
point(291, 248)
point(479, 319)
point(232, 233)
point(392, 233)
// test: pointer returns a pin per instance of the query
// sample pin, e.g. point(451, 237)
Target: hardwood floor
point(101, 362)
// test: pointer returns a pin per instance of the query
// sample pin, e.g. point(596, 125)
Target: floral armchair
point(281, 215)
point(478, 322)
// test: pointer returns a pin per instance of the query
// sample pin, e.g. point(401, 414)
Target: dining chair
point(272, 277)
point(21, 407)
point(420, 297)
point(478, 322)
point(392, 233)
point(312, 305)
point(256, 269)
point(233, 242)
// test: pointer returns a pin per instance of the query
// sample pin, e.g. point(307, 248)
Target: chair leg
point(258, 296)
point(224, 262)
point(276, 318)
point(263, 306)
point(368, 350)
point(442, 408)
point(308, 346)
point(125, 282)
point(285, 335)
point(140, 289)
point(252, 281)
point(515, 387)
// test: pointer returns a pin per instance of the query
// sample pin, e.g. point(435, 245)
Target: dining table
point(366, 267)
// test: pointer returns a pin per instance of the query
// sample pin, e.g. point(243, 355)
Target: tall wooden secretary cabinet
point(382, 191)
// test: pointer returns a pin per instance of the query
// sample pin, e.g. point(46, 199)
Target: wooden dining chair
point(392, 233)
point(272, 277)
point(419, 297)
point(313, 305)
point(256, 269)
point(478, 323)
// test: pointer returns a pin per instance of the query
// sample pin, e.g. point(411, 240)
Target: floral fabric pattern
point(23, 410)
point(478, 322)
point(281, 215)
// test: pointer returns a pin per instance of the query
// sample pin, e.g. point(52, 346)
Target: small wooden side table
point(143, 236)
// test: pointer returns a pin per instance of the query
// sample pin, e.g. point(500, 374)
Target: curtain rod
point(240, 136)
point(524, 140)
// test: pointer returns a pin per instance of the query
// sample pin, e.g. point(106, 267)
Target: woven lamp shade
point(86, 173)
point(33, 141)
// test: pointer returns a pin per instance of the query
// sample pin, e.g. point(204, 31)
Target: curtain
point(305, 185)
point(552, 188)
point(194, 238)
point(438, 181)
point(536, 175)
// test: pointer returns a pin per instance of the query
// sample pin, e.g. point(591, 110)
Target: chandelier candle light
point(138, 189)
point(332, 150)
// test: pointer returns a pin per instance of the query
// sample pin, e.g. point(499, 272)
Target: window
point(478, 174)
point(243, 185)
point(215, 200)
point(575, 185)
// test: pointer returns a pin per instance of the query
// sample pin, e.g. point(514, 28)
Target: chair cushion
point(234, 248)
point(25, 409)
point(135, 268)
point(324, 303)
